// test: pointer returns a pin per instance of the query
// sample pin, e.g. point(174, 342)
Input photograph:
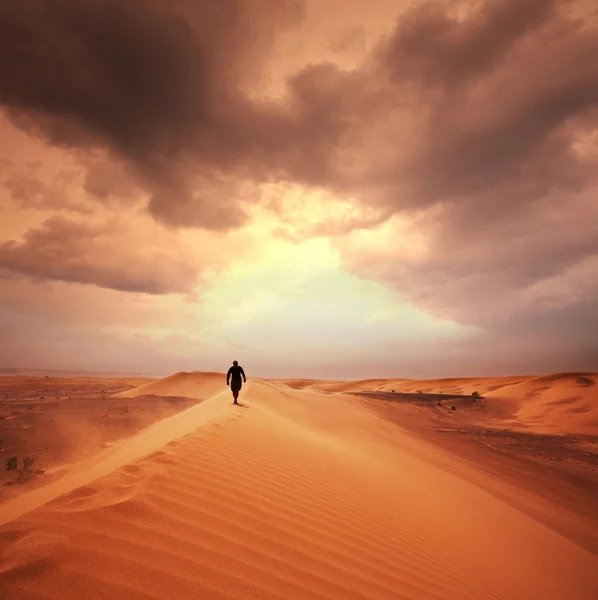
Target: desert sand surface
point(60, 420)
point(324, 490)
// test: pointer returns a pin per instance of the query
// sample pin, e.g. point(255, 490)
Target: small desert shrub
point(12, 464)
point(453, 407)
point(476, 394)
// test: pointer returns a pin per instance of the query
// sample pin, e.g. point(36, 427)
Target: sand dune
point(196, 384)
point(566, 402)
point(115, 456)
point(559, 403)
point(57, 421)
point(293, 494)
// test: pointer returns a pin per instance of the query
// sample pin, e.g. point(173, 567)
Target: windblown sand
point(303, 492)
point(57, 421)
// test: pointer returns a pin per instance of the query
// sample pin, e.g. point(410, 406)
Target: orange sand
point(560, 403)
point(294, 494)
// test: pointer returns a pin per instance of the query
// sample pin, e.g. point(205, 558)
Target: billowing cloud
point(159, 84)
point(495, 163)
point(26, 187)
point(483, 102)
point(108, 255)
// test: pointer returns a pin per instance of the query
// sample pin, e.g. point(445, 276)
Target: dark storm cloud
point(443, 108)
point(65, 250)
point(158, 83)
point(497, 99)
point(430, 46)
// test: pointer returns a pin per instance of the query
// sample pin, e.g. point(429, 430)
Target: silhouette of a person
point(234, 375)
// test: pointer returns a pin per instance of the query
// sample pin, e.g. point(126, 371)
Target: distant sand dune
point(447, 386)
point(565, 402)
point(192, 385)
point(559, 403)
point(293, 494)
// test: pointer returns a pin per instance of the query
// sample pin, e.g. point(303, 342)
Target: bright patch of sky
point(298, 295)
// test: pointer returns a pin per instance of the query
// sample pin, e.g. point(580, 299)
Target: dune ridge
point(196, 384)
point(557, 403)
point(293, 494)
point(141, 444)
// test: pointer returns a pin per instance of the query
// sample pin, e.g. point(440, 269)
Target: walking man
point(234, 375)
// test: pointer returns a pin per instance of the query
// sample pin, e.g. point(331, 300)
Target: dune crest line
point(145, 442)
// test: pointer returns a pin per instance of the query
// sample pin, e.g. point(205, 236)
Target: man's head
point(235, 363)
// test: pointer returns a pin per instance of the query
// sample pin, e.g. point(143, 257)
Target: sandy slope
point(565, 402)
point(58, 421)
point(559, 403)
point(294, 494)
point(196, 384)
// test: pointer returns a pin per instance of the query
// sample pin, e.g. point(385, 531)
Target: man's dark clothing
point(234, 375)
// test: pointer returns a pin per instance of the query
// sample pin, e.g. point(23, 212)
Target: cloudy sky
point(317, 188)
